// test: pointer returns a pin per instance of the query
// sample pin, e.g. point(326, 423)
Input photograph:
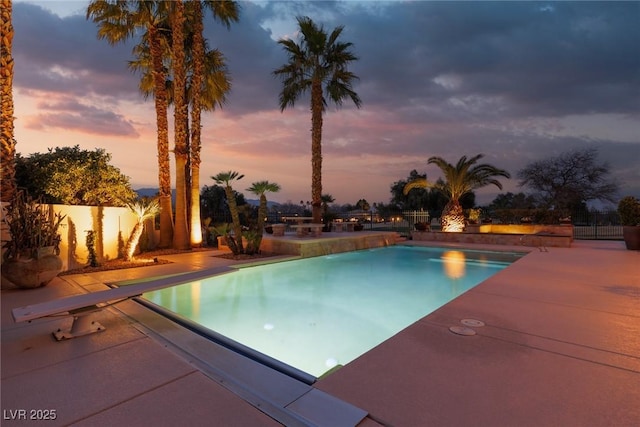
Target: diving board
point(83, 305)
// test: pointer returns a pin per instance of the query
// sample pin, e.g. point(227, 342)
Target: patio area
point(560, 346)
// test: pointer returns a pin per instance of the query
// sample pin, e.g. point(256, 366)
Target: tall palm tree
point(225, 178)
point(460, 179)
point(7, 140)
point(119, 21)
point(215, 84)
point(259, 189)
point(180, 117)
point(144, 209)
point(224, 11)
point(319, 63)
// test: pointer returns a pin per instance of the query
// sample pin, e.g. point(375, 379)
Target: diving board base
point(82, 324)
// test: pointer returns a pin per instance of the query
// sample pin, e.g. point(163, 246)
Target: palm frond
point(416, 183)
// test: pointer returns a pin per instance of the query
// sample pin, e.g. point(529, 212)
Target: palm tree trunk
point(164, 171)
point(452, 217)
point(262, 213)
point(316, 151)
point(130, 247)
point(235, 218)
point(180, 234)
point(7, 140)
point(196, 85)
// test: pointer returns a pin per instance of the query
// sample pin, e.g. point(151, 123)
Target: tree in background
point(460, 180)
point(566, 182)
point(260, 189)
point(416, 199)
point(214, 205)
point(7, 140)
point(423, 197)
point(72, 176)
point(363, 205)
point(319, 63)
point(513, 201)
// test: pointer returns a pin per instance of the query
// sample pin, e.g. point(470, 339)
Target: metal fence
point(413, 217)
point(587, 224)
point(604, 225)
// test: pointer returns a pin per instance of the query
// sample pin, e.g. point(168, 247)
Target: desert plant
point(225, 230)
point(260, 189)
point(226, 178)
point(474, 215)
point(90, 241)
point(253, 238)
point(143, 208)
point(32, 226)
point(629, 211)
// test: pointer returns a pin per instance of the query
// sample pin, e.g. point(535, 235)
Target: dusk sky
point(517, 81)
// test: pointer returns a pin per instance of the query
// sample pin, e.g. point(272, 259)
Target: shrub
point(629, 210)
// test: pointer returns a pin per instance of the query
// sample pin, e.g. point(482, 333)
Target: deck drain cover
point(472, 323)
point(462, 330)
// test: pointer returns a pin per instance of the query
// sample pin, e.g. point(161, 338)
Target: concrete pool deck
point(561, 346)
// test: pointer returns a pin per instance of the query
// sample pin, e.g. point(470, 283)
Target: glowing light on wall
point(453, 224)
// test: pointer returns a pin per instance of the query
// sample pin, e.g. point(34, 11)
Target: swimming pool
point(318, 313)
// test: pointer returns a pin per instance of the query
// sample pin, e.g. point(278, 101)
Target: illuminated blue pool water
point(316, 313)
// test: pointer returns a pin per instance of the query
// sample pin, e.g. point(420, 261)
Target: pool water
point(317, 313)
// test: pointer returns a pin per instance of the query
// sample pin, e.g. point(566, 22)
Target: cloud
point(517, 81)
point(63, 55)
point(69, 115)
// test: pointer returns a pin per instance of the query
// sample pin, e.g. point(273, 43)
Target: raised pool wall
point(310, 247)
point(535, 235)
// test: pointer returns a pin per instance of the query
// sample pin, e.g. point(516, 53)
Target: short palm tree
point(259, 189)
point(460, 179)
point(225, 178)
point(319, 63)
point(143, 208)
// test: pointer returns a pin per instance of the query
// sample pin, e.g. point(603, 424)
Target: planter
point(421, 226)
point(631, 234)
point(33, 272)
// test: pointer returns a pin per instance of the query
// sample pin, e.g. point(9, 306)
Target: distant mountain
point(256, 202)
point(151, 192)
